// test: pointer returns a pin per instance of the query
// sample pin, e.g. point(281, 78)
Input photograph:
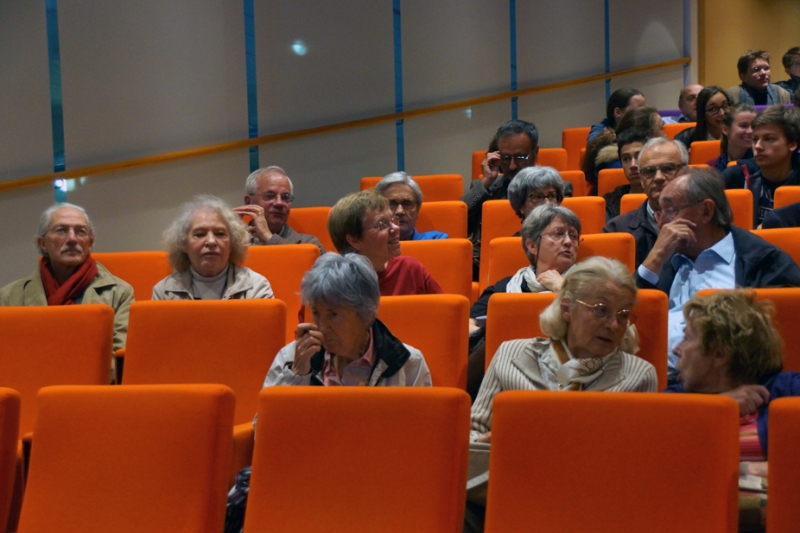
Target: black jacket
point(635, 222)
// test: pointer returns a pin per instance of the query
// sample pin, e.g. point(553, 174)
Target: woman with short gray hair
point(535, 186)
point(345, 344)
point(206, 245)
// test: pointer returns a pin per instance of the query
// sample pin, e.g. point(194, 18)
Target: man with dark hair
point(776, 136)
point(756, 88)
point(517, 146)
point(659, 161)
point(687, 103)
point(629, 144)
point(791, 64)
point(618, 103)
point(699, 248)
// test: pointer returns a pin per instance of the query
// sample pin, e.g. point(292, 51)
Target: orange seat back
point(10, 401)
point(434, 187)
point(671, 130)
point(741, 201)
point(573, 140)
point(786, 195)
point(284, 267)
point(312, 221)
point(141, 269)
point(449, 217)
point(130, 459)
point(577, 179)
point(497, 220)
point(477, 163)
point(701, 152)
point(783, 511)
point(409, 444)
point(436, 325)
point(787, 239)
point(631, 202)
point(53, 345)
point(230, 342)
point(590, 209)
point(551, 449)
point(609, 179)
point(449, 261)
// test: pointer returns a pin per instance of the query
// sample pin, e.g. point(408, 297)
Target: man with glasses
point(791, 64)
point(699, 248)
point(405, 201)
point(515, 146)
point(67, 274)
point(660, 160)
point(268, 200)
point(756, 88)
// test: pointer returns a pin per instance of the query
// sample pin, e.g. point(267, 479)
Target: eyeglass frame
point(563, 235)
point(601, 311)
point(714, 111)
point(506, 158)
point(402, 203)
point(552, 197)
point(669, 213)
point(643, 171)
point(286, 197)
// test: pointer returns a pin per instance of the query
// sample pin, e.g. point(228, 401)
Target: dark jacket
point(790, 85)
point(635, 222)
point(758, 265)
point(779, 385)
point(735, 178)
point(474, 198)
point(614, 200)
point(785, 217)
point(480, 307)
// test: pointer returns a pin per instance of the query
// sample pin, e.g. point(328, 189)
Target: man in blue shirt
point(405, 201)
point(699, 248)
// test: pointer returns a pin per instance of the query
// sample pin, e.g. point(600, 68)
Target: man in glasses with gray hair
point(268, 201)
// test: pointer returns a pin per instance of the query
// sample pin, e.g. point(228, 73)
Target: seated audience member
point(363, 223)
point(791, 65)
point(268, 201)
point(345, 343)
point(405, 201)
point(784, 217)
point(699, 248)
point(756, 88)
point(687, 103)
point(730, 347)
point(660, 161)
point(712, 103)
point(629, 144)
point(535, 186)
point(620, 101)
point(776, 134)
point(206, 244)
point(67, 274)
point(737, 136)
point(515, 146)
point(643, 119)
point(601, 153)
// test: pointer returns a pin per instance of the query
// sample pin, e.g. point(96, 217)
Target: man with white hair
point(268, 201)
point(67, 274)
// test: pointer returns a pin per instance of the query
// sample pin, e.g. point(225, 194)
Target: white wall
point(153, 76)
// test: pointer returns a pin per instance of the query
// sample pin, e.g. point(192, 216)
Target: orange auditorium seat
point(591, 210)
point(671, 130)
point(786, 195)
point(449, 217)
point(787, 239)
point(783, 511)
point(573, 140)
point(498, 220)
point(9, 433)
point(313, 221)
point(577, 179)
point(436, 325)
point(435, 187)
point(701, 152)
point(405, 449)
point(609, 179)
point(130, 459)
point(741, 201)
point(141, 269)
point(284, 267)
point(449, 261)
point(606, 462)
point(631, 202)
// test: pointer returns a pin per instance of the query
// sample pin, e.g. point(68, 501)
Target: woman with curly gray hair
point(207, 244)
point(535, 186)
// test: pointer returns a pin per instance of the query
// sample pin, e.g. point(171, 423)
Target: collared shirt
point(714, 268)
point(651, 217)
point(355, 374)
point(680, 119)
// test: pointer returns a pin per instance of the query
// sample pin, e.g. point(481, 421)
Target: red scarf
point(58, 294)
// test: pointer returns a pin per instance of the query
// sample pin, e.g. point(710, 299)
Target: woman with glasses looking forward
point(712, 103)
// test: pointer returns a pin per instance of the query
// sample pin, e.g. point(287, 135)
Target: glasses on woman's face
point(716, 110)
point(537, 198)
point(561, 235)
point(624, 317)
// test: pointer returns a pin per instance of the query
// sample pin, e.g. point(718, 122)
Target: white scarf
point(577, 370)
point(528, 275)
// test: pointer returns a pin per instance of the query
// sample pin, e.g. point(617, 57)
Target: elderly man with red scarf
point(67, 274)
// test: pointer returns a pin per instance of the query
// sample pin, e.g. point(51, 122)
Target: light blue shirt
point(714, 268)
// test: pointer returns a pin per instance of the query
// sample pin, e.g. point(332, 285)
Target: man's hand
point(491, 168)
point(486, 437)
point(749, 398)
point(678, 233)
point(550, 279)
point(309, 341)
point(259, 228)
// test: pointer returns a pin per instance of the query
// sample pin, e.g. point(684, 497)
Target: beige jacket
point(242, 283)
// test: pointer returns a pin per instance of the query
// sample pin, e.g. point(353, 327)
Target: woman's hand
point(308, 342)
point(550, 279)
point(486, 437)
point(749, 397)
point(756, 468)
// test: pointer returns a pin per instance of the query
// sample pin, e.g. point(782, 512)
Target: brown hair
point(347, 216)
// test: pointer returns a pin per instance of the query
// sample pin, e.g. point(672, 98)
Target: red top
point(405, 275)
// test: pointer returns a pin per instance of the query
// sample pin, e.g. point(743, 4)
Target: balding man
point(67, 273)
point(268, 201)
point(687, 103)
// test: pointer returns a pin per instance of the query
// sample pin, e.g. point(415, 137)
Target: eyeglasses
point(561, 235)
point(668, 213)
point(756, 70)
point(714, 111)
point(382, 224)
point(667, 169)
point(407, 204)
point(62, 231)
point(624, 317)
point(539, 198)
point(271, 196)
point(517, 158)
